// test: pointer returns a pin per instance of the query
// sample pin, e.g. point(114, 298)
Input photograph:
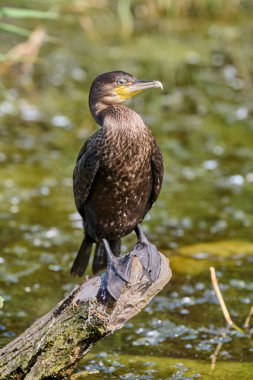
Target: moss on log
point(50, 348)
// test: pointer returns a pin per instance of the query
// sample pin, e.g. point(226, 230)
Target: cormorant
point(118, 174)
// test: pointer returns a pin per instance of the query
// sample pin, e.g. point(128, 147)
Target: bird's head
point(116, 87)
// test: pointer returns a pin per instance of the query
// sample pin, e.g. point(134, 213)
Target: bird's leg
point(140, 235)
point(118, 271)
point(148, 254)
point(115, 247)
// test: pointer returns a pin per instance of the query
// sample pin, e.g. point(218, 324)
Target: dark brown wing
point(87, 165)
point(157, 171)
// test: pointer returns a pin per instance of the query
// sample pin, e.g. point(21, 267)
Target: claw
point(118, 272)
point(148, 255)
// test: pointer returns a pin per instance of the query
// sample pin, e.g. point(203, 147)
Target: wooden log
point(50, 348)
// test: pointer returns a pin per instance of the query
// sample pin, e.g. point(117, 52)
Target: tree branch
point(52, 346)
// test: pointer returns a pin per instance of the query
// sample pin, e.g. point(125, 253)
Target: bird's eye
point(120, 82)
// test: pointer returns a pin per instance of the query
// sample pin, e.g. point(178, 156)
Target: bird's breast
point(122, 187)
point(125, 150)
point(126, 167)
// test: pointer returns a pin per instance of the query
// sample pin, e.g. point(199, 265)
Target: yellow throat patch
point(124, 93)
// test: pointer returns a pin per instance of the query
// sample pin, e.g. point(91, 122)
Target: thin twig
point(216, 352)
point(222, 302)
point(246, 323)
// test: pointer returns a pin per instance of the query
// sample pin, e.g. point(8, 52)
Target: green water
point(204, 125)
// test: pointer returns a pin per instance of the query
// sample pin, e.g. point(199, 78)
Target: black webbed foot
point(148, 255)
point(118, 271)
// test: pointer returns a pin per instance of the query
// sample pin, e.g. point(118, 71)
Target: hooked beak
point(128, 90)
point(140, 85)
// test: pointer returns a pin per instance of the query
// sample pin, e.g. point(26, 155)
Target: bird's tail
point(99, 262)
point(82, 258)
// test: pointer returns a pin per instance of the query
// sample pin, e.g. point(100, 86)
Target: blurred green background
point(202, 52)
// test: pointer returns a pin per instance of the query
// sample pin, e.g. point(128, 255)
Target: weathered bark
point(56, 342)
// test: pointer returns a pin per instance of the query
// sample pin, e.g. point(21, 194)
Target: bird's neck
point(97, 110)
point(117, 117)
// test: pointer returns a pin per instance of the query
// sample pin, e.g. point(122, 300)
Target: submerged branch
point(216, 352)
